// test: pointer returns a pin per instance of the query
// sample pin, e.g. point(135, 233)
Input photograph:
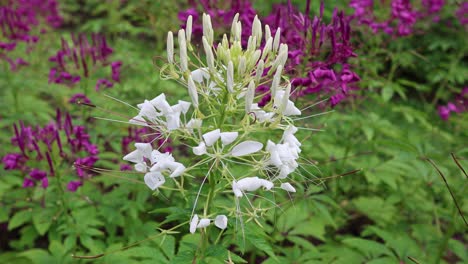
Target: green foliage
point(395, 207)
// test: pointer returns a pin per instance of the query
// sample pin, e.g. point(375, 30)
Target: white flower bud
point(249, 96)
point(239, 32)
point(194, 123)
point(259, 71)
point(276, 41)
point(253, 60)
point(192, 90)
point(211, 137)
point(245, 148)
point(230, 77)
point(193, 224)
point(251, 43)
point(267, 48)
point(276, 80)
point(221, 221)
point(267, 32)
point(188, 29)
point(209, 54)
point(207, 29)
point(234, 28)
point(183, 51)
point(242, 66)
point(170, 47)
point(288, 187)
point(257, 30)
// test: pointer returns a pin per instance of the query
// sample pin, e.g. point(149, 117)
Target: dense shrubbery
point(381, 86)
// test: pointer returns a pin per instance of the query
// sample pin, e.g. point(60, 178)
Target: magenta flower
point(459, 105)
point(82, 59)
point(79, 98)
point(74, 185)
point(36, 144)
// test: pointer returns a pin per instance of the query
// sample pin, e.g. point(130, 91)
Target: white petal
point(193, 224)
point(200, 150)
point(246, 148)
point(200, 74)
point(177, 169)
point(194, 123)
point(211, 137)
point(173, 120)
point(221, 221)
point(141, 167)
point(288, 187)
point(253, 183)
point(204, 222)
point(184, 106)
point(145, 149)
point(154, 179)
point(228, 137)
point(161, 104)
point(237, 191)
point(135, 156)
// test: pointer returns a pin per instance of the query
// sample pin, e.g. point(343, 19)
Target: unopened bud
point(183, 51)
point(170, 47)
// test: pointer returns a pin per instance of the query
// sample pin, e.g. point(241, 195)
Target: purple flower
point(79, 98)
point(81, 58)
point(462, 13)
point(72, 186)
point(12, 161)
point(37, 174)
point(459, 105)
point(27, 182)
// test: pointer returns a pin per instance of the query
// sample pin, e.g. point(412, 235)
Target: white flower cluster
point(223, 124)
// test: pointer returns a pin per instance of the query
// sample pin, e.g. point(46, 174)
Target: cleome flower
point(226, 139)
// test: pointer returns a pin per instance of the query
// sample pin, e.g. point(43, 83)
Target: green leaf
point(42, 220)
point(369, 247)
point(19, 219)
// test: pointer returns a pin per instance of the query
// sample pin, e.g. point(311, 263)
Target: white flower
point(221, 221)
point(245, 148)
point(193, 224)
point(282, 102)
point(250, 184)
point(154, 179)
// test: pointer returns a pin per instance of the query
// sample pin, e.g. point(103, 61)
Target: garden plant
point(237, 131)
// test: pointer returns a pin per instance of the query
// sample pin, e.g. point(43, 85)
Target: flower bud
point(207, 29)
point(267, 48)
point(170, 47)
point(259, 71)
point(276, 41)
point(221, 221)
point(285, 100)
point(230, 77)
point(267, 32)
point(209, 54)
point(249, 96)
point(188, 29)
point(257, 30)
point(276, 80)
point(234, 28)
point(192, 90)
point(242, 66)
point(239, 32)
point(183, 51)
